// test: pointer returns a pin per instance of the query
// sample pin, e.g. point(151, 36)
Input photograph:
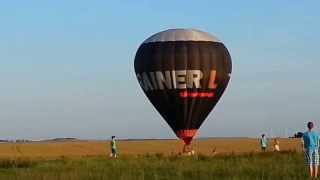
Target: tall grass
point(286, 165)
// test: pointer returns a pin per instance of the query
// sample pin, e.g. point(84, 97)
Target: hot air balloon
point(184, 73)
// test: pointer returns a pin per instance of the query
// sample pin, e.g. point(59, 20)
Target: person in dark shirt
point(263, 142)
point(113, 147)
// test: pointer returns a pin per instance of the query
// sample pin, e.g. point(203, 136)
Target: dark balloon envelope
point(184, 73)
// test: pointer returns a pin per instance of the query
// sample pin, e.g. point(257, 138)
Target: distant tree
point(298, 135)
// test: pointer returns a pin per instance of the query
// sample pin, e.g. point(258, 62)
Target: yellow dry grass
point(52, 150)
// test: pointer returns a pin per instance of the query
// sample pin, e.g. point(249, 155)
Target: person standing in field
point(188, 150)
point(276, 145)
point(113, 147)
point(263, 142)
point(310, 147)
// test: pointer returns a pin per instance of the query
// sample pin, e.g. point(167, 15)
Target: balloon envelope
point(183, 72)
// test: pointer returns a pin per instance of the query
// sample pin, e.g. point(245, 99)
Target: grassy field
point(284, 165)
point(148, 160)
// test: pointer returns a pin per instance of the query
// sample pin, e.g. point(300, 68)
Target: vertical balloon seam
point(161, 57)
point(175, 97)
point(201, 65)
point(189, 100)
point(193, 101)
point(186, 100)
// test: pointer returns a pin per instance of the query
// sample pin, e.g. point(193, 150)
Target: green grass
point(285, 165)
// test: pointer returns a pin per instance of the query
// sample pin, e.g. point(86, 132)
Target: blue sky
point(67, 66)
